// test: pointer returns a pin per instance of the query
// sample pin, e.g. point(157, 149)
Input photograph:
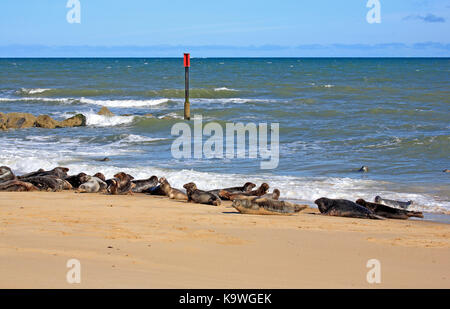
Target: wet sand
point(151, 242)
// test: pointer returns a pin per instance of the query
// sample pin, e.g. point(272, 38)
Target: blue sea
point(335, 115)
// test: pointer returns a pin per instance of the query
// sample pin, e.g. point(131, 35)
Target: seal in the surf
point(266, 206)
point(6, 174)
point(364, 169)
point(201, 197)
point(389, 212)
point(393, 203)
point(172, 193)
point(145, 184)
point(344, 208)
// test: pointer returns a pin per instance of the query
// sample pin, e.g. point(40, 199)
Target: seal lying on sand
point(201, 197)
point(75, 180)
point(172, 193)
point(392, 203)
point(48, 183)
point(344, 208)
point(265, 206)
point(275, 195)
point(246, 188)
point(121, 184)
point(6, 174)
point(100, 176)
point(92, 185)
point(16, 186)
point(389, 212)
point(226, 195)
point(143, 185)
point(60, 172)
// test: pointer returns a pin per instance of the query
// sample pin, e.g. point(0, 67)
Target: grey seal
point(201, 197)
point(266, 206)
point(392, 203)
point(344, 208)
point(389, 212)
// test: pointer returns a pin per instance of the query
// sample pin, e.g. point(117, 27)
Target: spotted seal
point(201, 197)
point(266, 206)
point(389, 212)
point(392, 203)
point(344, 208)
point(226, 195)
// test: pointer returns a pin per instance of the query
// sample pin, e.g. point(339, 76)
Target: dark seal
point(201, 197)
point(389, 212)
point(344, 208)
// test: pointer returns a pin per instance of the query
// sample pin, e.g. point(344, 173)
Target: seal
point(201, 197)
point(446, 171)
point(344, 208)
point(392, 203)
point(75, 180)
point(172, 193)
point(16, 186)
point(266, 206)
point(60, 172)
point(120, 184)
point(48, 183)
point(92, 185)
point(364, 169)
point(389, 212)
point(6, 174)
point(142, 186)
point(245, 188)
point(275, 195)
point(100, 176)
point(226, 195)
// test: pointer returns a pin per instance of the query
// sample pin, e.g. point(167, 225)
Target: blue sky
point(225, 28)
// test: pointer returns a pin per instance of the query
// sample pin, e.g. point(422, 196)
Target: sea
point(334, 116)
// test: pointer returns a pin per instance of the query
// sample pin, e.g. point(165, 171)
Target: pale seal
point(392, 203)
point(172, 193)
point(266, 206)
point(92, 185)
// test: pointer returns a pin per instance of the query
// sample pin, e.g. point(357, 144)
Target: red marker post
point(187, 104)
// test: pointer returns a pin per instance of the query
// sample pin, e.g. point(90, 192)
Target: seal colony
point(245, 199)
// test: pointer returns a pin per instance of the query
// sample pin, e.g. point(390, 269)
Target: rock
point(46, 122)
point(78, 120)
point(104, 111)
point(19, 120)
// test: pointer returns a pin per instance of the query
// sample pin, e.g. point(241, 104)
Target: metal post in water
point(187, 104)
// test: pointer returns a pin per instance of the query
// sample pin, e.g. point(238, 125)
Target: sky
point(211, 28)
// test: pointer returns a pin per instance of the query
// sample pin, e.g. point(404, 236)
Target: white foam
point(33, 90)
point(124, 103)
point(224, 89)
point(62, 100)
point(95, 120)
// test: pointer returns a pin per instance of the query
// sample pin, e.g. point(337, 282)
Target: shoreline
point(143, 241)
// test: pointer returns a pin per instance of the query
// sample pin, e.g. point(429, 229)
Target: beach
point(143, 241)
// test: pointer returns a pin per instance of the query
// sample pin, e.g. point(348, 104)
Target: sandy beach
point(150, 242)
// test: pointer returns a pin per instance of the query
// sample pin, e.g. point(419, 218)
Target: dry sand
point(150, 242)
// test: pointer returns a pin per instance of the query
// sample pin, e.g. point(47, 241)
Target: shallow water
point(335, 115)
